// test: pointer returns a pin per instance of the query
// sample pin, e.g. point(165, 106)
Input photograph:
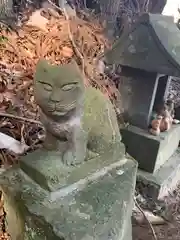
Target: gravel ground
point(168, 231)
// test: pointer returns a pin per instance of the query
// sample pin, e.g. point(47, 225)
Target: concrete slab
point(150, 151)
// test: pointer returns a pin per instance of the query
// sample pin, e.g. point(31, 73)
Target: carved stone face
point(58, 89)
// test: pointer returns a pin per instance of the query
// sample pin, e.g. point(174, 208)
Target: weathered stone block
point(164, 179)
point(150, 151)
point(92, 201)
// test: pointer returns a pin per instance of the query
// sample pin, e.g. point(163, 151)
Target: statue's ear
point(73, 61)
point(74, 64)
point(42, 65)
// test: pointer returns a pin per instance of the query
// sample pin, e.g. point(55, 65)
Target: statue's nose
point(55, 96)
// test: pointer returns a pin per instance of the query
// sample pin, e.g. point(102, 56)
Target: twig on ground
point(78, 53)
point(146, 6)
point(151, 227)
point(85, 4)
point(22, 134)
point(8, 115)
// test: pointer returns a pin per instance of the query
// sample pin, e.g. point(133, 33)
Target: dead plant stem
point(8, 115)
point(151, 227)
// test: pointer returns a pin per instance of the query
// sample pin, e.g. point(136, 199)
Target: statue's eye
point(69, 87)
point(47, 87)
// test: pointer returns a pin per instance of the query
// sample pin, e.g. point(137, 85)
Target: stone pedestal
point(150, 151)
point(92, 201)
point(158, 158)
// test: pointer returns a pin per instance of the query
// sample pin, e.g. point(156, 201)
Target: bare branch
point(20, 118)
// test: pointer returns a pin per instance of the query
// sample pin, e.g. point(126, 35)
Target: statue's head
point(58, 90)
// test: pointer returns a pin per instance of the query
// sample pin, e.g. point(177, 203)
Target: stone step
point(164, 179)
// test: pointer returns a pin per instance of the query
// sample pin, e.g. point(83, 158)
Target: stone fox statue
point(75, 118)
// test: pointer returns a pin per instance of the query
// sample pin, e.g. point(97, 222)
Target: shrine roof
point(152, 44)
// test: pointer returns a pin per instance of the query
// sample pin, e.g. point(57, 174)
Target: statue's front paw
point(91, 155)
point(68, 158)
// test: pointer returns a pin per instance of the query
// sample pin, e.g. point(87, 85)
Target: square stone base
point(150, 151)
point(92, 201)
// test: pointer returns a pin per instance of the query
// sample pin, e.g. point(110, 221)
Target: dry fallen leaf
point(36, 19)
point(67, 52)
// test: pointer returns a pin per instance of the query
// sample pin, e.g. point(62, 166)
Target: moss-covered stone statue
point(75, 117)
point(56, 199)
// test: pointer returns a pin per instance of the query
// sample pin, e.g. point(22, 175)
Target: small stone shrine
point(149, 55)
point(59, 192)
